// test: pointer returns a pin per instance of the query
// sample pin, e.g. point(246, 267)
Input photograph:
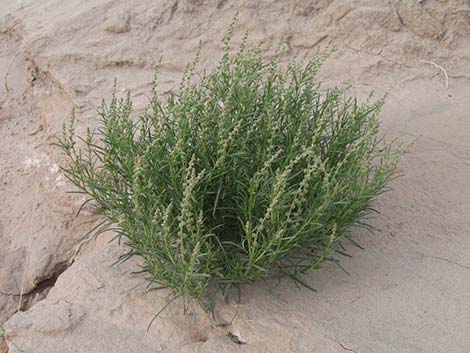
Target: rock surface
point(95, 308)
point(401, 295)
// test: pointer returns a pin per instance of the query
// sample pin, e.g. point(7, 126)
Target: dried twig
point(439, 67)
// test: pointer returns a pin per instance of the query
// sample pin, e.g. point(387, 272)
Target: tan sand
point(408, 292)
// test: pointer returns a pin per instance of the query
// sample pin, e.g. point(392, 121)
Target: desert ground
point(408, 291)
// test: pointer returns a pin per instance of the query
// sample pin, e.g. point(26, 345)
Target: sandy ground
point(408, 292)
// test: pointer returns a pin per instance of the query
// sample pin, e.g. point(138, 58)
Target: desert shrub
point(251, 170)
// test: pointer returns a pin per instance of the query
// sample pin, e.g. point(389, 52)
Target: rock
point(96, 308)
point(419, 21)
point(35, 220)
point(117, 23)
point(41, 320)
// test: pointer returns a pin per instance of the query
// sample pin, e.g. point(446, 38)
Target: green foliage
point(250, 171)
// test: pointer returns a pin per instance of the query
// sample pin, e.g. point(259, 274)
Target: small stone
point(118, 23)
point(236, 337)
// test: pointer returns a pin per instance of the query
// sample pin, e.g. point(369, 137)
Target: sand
point(408, 291)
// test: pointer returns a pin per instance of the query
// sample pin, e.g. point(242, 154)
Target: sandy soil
point(409, 291)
